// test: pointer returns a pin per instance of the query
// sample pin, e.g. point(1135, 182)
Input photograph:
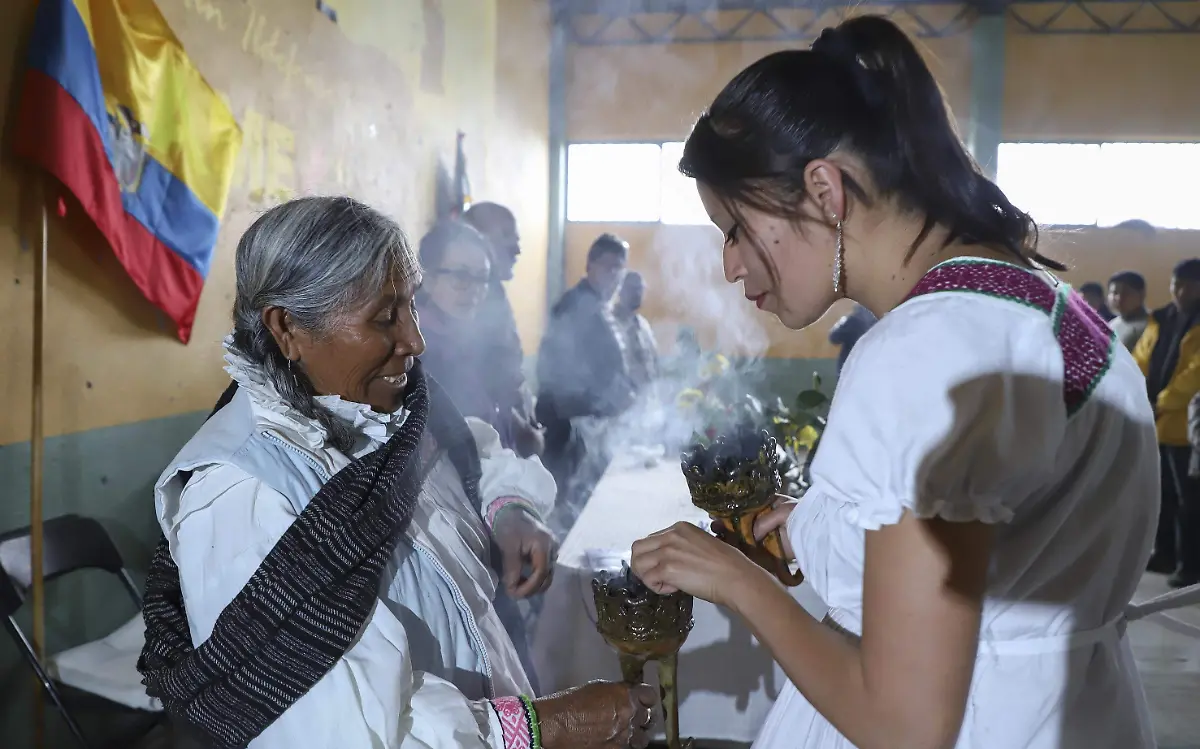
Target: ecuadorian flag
point(112, 107)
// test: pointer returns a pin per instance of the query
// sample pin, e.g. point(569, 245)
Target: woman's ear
point(823, 183)
point(283, 330)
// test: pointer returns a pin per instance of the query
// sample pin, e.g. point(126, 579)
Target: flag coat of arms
point(114, 109)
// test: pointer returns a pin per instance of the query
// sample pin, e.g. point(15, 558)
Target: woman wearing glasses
point(457, 266)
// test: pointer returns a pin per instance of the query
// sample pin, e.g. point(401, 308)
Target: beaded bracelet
point(531, 717)
point(514, 723)
point(504, 503)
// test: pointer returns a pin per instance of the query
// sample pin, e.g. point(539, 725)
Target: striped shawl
point(306, 603)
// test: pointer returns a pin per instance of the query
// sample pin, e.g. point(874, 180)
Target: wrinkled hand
point(599, 715)
point(524, 540)
point(686, 558)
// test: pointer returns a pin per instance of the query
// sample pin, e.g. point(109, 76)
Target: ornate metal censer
point(734, 480)
point(644, 626)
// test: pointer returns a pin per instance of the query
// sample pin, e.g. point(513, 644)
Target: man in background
point(507, 378)
point(1127, 298)
point(1093, 294)
point(582, 379)
point(634, 331)
point(1169, 355)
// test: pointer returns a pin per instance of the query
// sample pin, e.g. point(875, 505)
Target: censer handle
point(783, 569)
point(768, 553)
point(668, 670)
point(632, 668)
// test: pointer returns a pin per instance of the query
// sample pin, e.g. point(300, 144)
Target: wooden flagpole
point(36, 444)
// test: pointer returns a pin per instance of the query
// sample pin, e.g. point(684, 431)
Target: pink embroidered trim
point(1086, 340)
point(495, 507)
point(514, 727)
point(987, 278)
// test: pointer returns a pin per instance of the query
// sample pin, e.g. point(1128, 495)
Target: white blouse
point(226, 521)
point(952, 406)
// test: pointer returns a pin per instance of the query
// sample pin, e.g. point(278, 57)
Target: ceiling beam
point(623, 22)
point(628, 8)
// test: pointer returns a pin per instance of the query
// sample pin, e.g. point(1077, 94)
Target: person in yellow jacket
point(1169, 355)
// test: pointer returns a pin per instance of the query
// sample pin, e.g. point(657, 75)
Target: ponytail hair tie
point(834, 45)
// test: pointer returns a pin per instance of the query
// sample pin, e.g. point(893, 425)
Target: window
point(630, 182)
point(680, 201)
point(1103, 184)
point(613, 182)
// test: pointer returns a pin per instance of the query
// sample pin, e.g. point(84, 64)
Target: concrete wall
point(367, 106)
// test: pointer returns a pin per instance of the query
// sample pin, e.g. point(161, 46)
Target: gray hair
point(318, 258)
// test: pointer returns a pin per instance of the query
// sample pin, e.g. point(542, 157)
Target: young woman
point(982, 504)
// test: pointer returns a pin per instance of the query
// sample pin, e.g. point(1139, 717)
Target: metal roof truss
point(632, 22)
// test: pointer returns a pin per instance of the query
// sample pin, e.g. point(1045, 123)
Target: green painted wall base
point(107, 474)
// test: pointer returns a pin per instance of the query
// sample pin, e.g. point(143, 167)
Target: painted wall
point(367, 106)
point(1057, 88)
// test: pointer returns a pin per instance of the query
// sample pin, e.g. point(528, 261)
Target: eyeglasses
point(462, 279)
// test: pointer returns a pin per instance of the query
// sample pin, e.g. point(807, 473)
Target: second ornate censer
point(645, 626)
point(735, 479)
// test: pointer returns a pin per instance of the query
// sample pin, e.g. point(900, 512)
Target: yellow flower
point(808, 437)
point(689, 398)
point(716, 366)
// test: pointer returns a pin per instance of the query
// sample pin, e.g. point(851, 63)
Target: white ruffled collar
point(364, 420)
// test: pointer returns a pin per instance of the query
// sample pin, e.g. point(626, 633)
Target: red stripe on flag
point(54, 132)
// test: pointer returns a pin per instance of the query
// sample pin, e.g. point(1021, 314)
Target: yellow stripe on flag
point(85, 12)
point(185, 125)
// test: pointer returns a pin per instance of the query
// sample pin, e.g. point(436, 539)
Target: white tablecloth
point(727, 681)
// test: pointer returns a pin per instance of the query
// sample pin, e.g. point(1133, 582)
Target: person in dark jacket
point(848, 330)
point(582, 379)
point(1169, 354)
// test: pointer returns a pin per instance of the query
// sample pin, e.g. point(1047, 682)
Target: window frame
point(1102, 221)
point(662, 183)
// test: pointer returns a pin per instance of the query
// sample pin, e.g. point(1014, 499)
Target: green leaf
point(810, 399)
point(816, 381)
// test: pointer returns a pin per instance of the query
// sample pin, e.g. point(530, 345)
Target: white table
point(727, 681)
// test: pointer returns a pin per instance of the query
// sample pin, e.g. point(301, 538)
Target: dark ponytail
point(863, 87)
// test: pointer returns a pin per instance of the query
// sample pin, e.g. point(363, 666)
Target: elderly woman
point(323, 578)
point(457, 264)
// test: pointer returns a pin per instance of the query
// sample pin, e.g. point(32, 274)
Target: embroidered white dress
point(982, 406)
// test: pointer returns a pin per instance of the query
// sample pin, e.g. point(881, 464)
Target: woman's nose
point(410, 342)
point(731, 263)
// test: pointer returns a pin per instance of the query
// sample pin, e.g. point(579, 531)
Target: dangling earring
point(838, 257)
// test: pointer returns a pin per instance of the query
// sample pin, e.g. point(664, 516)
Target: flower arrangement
point(713, 403)
point(798, 430)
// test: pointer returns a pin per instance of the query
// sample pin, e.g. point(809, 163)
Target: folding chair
point(72, 543)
